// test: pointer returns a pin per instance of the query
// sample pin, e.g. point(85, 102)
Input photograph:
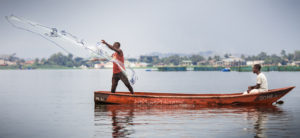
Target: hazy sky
point(167, 26)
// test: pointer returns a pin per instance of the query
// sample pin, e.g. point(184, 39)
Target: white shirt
point(262, 80)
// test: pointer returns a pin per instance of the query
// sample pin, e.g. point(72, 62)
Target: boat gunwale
point(192, 96)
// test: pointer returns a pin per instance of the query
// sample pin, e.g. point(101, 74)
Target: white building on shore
point(230, 61)
point(251, 63)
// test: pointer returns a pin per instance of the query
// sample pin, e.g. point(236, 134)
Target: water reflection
point(125, 118)
point(121, 122)
point(260, 116)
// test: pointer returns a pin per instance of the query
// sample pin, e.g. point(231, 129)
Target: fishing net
point(70, 43)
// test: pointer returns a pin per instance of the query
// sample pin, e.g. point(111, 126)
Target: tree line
point(63, 60)
point(284, 58)
point(70, 61)
point(57, 59)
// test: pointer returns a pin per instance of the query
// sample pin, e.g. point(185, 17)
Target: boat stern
point(101, 98)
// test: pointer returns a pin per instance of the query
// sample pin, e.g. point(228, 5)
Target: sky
point(166, 26)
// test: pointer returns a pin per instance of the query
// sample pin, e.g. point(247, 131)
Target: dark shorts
point(119, 76)
point(115, 79)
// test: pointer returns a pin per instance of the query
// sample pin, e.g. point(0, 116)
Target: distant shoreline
point(50, 67)
point(163, 68)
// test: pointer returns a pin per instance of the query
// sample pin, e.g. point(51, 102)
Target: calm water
point(59, 104)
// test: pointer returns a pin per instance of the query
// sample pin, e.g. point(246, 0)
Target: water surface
point(59, 103)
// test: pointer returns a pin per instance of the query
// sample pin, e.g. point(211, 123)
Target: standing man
point(117, 72)
point(261, 82)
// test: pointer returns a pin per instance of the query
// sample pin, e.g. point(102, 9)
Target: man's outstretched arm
point(111, 47)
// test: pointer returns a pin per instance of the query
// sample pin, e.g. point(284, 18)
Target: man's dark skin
point(115, 47)
point(118, 76)
point(255, 70)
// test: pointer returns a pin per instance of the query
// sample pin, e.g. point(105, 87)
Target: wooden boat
point(150, 98)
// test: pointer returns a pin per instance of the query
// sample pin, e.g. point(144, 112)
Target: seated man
point(261, 82)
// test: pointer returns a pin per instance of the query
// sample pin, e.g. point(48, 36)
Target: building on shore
point(137, 64)
point(186, 63)
point(99, 66)
point(149, 59)
point(204, 62)
point(295, 63)
point(251, 63)
point(230, 62)
point(6, 63)
point(29, 62)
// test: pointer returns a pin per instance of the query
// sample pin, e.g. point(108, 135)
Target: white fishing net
point(69, 43)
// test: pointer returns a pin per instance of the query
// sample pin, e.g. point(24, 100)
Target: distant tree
point(12, 58)
point(70, 56)
point(60, 59)
point(174, 59)
point(268, 61)
point(19, 66)
point(242, 56)
point(283, 54)
point(297, 55)
point(36, 61)
point(78, 61)
point(217, 58)
point(149, 59)
point(226, 55)
point(22, 61)
point(185, 58)
point(196, 58)
point(290, 57)
point(43, 61)
point(132, 59)
point(262, 56)
point(209, 58)
point(273, 59)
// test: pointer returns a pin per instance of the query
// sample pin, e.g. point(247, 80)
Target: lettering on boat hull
point(101, 98)
point(270, 96)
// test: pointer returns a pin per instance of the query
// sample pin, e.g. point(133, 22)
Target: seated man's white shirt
point(262, 80)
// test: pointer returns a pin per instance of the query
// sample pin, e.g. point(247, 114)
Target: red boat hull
point(266, 98)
